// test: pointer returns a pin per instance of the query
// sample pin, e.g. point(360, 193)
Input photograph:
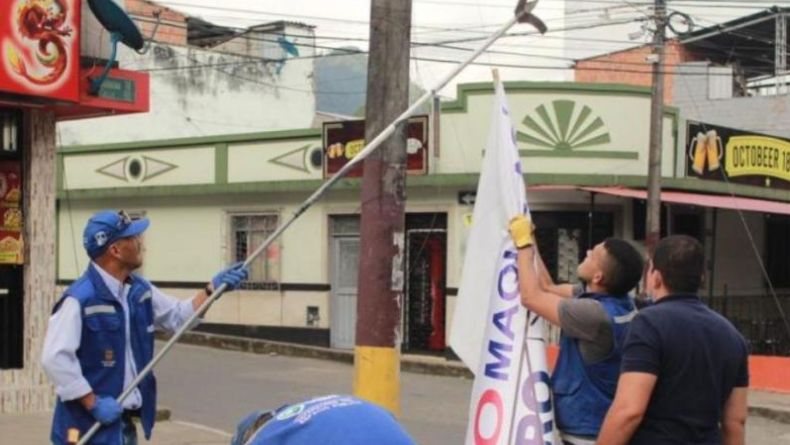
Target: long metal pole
point(370, 147)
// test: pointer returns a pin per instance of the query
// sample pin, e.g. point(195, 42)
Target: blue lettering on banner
point(507, 290)
point(509, 271)
point(503, 361)
point(530, 426)
point(507, 315)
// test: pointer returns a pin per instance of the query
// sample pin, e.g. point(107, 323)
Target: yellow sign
point(758, 155)
point(468, 220)
point(354, 147)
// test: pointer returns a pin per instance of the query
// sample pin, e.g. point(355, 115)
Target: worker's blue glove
point(106, 410)
point(232, 276)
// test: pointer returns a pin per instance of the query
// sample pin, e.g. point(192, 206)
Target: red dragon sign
point(40, 48)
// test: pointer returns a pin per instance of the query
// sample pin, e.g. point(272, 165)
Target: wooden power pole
point(381, 268)
point(653, 223)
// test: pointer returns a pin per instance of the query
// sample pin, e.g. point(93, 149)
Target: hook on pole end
point(524, 14)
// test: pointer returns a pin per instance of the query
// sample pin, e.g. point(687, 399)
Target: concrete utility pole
point(381, 268)
point(653, 224)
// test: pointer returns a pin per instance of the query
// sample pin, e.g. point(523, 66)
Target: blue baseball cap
point(107, 227)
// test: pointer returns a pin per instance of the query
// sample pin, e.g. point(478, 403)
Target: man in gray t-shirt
point(587, 321)
point(593, 323)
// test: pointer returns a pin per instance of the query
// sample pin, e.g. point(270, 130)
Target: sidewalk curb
point(772, 413)
point(417, 365)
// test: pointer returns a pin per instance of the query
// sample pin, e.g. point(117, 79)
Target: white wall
point(224, 94)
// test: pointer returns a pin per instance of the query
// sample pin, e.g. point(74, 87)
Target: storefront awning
point(697, 199)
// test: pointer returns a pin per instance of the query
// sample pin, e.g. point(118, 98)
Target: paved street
point(216, 388)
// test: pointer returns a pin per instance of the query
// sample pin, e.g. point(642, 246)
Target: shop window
point(640, 219)
point(564, 237)
point(777, 245)
point(248, 231)
point(11, 246)
point(687, 223)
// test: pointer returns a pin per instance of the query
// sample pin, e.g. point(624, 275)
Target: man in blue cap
point(101, 333)
point(334, 419)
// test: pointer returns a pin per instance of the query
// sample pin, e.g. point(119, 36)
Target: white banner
point(510, 401)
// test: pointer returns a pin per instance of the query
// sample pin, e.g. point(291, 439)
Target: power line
point(444, 45)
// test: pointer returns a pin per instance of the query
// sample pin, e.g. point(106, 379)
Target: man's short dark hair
point(623, 268)
point(681, 261)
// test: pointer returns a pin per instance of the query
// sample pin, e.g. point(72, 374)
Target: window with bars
point(247, 233)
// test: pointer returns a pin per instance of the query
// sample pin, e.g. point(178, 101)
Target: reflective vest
point(102, 354)
point(584, 392)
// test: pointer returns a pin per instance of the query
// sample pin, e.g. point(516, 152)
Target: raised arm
point(533, 296)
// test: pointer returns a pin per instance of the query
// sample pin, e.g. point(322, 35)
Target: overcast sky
point(342, 22)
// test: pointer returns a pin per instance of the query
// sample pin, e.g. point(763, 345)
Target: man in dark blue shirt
point(685, 368)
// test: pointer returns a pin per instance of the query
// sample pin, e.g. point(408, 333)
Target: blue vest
point(583, 392)
point(102, 354)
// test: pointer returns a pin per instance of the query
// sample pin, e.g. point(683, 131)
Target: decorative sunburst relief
point(136, 168)
point(560, 128)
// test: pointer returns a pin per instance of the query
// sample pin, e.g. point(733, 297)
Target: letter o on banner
point(490, 397)
point(507, 284)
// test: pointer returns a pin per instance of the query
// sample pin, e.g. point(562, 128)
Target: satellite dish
point(115, 20)
point(122, 29)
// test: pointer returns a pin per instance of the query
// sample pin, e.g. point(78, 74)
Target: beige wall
point(270, 160)
point(187, 241)
point(626, 118)
point(191, 166)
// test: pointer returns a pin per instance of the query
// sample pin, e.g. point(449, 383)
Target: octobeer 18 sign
point(720, 153)
point(39, 48)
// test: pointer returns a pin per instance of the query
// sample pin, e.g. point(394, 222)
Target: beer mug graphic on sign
point(714, 150)
point(698, 152)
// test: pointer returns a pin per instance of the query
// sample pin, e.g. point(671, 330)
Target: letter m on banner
point(510, 402)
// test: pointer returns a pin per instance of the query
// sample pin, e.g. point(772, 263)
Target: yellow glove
point(521, 231)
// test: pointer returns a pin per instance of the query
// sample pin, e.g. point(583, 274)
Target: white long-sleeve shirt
point(64, 334)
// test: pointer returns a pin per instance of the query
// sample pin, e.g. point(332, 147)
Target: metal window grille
point(248, 232)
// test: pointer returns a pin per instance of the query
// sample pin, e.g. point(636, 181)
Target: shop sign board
point(719, 153)
point(40, 48)
point(345, 139)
